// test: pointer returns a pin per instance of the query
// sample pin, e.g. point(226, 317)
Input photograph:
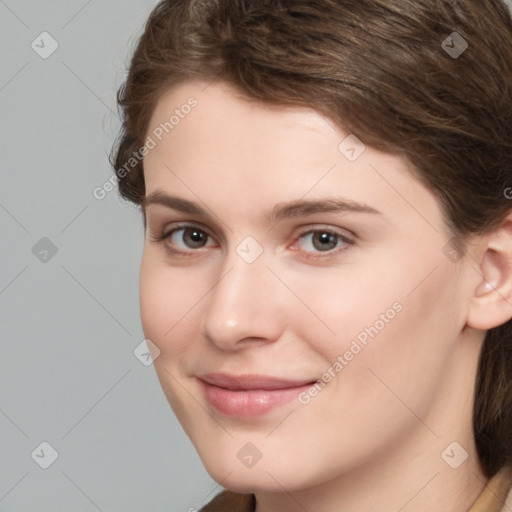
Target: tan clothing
point(492, 498)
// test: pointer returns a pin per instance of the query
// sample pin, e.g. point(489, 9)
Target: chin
point(248, 483)
point(265, 476)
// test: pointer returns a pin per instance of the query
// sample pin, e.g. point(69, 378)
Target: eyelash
point(319, 255)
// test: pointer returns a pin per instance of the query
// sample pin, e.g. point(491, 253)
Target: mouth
point(249, 395)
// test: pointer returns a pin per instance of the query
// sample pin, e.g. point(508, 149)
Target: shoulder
point(228, 501)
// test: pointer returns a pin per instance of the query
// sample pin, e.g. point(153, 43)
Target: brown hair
point(381, 69)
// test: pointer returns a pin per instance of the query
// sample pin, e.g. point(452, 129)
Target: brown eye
point(324, 241)
point(317, 241)
point(194, 238)
point(185, 238)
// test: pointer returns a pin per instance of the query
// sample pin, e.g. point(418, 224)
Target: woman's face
point(292, 260)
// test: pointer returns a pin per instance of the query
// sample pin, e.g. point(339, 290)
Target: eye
point(315, 243)
point(323, 241)
point(182, 239)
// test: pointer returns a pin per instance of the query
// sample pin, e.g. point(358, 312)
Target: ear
point(491, 304)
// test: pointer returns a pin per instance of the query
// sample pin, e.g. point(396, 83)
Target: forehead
point(256, 155)
point(223, 122)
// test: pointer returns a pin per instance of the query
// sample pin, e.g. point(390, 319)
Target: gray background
point(70, 321)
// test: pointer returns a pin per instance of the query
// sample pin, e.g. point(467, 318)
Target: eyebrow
point(281, 211)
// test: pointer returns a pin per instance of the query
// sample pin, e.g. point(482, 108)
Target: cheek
point(167, 297)
point(353, 302)
point(395, 328)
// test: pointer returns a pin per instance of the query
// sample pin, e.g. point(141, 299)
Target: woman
point(327, 273)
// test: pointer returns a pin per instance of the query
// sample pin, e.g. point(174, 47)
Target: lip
point(249, 395)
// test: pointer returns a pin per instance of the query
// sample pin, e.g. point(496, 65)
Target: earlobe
point(491, 304)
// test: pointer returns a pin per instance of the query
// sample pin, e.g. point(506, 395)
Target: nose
point(244, 306)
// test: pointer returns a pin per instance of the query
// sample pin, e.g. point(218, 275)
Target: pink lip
point(249, 395)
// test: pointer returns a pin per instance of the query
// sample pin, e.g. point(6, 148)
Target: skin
point(383, 422)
